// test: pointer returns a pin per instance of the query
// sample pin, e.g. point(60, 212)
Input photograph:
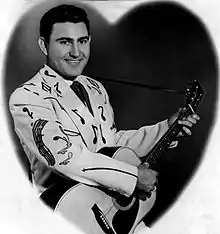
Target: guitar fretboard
point(155, 154)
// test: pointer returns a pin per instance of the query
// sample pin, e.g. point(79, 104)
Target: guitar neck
point(155, 154)
point(194, 94)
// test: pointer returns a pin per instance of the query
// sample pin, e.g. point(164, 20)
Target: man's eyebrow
point(82, 38)
point(64, 38)
point(71, 39)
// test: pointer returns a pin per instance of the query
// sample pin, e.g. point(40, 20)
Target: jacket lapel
point(95, 95)
point(69, 101)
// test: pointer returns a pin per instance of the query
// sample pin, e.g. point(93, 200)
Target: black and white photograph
point(109, 115)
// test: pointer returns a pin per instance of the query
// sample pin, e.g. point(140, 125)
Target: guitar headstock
point(193, 94)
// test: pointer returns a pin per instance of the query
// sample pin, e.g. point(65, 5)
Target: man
point(63, 118)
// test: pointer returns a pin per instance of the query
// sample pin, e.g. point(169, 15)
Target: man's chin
point(73, 72)
point(72, 75)
point(69, 71)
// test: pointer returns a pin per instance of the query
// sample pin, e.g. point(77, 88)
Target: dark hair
point(61, 14)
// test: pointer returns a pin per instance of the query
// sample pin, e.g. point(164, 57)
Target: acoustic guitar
point(97, 210)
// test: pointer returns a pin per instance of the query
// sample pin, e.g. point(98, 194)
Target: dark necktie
point(81, 92)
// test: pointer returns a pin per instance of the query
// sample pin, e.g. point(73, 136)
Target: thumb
point(146, 164)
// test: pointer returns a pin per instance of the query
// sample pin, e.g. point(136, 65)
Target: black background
point(160, 44)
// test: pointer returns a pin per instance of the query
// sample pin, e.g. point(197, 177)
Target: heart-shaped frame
point(197, 61)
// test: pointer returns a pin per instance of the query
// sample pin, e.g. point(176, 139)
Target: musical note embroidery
point(27, 89)
point(29, 84)
point(81, 118)
point(95, 130)
point(38, 138)
point(25, 109)
point(65, 138)
point(94, 85)
point(102, 115)
point(31, 91)
point(48, 74)
point(36, 93)
point(45, 87)
point(58, 92)
point(63, 109)
point(103, 139)
point(113, 126)
point(67, 160)
point(105, 99)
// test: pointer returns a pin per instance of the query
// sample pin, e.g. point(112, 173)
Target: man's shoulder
point(31, 86)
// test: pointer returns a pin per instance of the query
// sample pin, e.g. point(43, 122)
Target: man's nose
point(75, 51)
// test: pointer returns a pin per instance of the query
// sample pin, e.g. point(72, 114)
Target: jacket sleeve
point(37, 126)
point(143, 139)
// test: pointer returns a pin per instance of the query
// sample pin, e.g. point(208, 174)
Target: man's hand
point(145, 182)
point(187, 122)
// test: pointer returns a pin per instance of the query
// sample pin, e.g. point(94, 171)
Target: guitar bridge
point(101, 220)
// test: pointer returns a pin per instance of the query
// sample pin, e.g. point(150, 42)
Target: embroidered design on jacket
point(57, 90)
point(48, 74)
point(38, 138)
point(66, 139)
point(81, 118)
point(63, 109)
point(28, 84)
point(95, 131)
point(30, 113)
point(94, 86)
point(45, 87)
point(67, 160)
point(107, 169)
point(102, 113)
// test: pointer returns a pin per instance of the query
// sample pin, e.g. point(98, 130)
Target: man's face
point(69, 48)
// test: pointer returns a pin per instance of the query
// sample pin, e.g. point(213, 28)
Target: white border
point(198, 208)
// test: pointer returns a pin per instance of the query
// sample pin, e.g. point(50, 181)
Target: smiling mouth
point(73, 61)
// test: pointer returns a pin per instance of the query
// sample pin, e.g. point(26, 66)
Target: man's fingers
point(146, 193)
point(143, 195)
point(185, 122)
point(146, 164)
point(192, 120)
point(150, 188)
point(187, 131)
point(195, 116)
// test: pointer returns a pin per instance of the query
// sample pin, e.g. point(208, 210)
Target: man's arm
point(37, 126)
point(143, 139)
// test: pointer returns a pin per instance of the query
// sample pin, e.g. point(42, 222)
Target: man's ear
point(43, 45)
point(90, 38)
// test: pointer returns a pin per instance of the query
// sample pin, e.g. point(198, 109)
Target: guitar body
point(97, 212)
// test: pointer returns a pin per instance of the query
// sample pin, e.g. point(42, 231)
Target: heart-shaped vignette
point(154, 43)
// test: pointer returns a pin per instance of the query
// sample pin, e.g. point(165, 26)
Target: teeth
point(73, 61)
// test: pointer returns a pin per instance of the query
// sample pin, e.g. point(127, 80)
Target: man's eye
point(83, 41)
point(64, 42)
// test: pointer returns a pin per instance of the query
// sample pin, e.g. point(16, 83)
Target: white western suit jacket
point(59, 133)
